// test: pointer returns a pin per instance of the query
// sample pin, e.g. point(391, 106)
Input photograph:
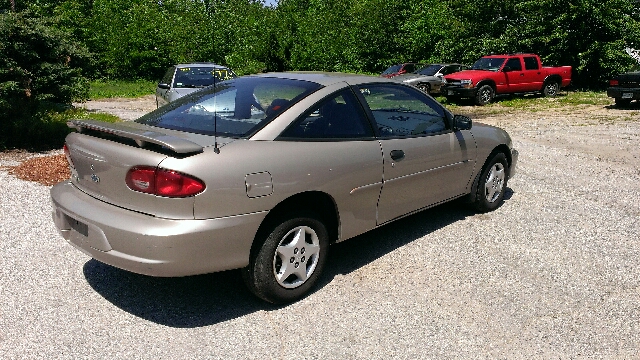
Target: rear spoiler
point(139, 133)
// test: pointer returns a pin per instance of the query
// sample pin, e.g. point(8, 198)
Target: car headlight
point(466, 83)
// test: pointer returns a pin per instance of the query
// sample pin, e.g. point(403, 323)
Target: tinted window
point(429, 70)
point(200, 76)
point(234, 108)
point(531, 63)
point(400, 111)
point(166, 79)
point(514, 64)
point(339, 116)
point(491, 64)
point(393, 69)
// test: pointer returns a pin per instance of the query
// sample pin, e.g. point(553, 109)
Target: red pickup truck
point(505, 74)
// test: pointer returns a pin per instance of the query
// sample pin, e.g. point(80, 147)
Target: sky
point(270, 2)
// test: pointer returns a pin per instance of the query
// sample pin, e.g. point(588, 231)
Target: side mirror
point(164, 86)
point(461, 122)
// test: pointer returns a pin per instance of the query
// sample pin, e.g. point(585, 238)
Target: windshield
point(392, 70)
point(491, 64)
point(200, 76)
point(233, 108)
point(429, 70)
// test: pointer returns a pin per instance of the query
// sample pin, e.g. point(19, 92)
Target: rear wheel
point(492, 184)
point(550, 88)
point(289, 261)
point(484, 95)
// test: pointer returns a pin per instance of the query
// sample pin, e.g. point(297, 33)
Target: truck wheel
point(620, 102)
point(550, 88)
point(289, 261)
point(425, 87)
point(484, 95)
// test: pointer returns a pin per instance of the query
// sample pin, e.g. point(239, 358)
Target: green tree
point(41, 69)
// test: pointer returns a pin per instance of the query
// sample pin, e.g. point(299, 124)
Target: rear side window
point(514, 64)
point(233, 108)
point(531, 63)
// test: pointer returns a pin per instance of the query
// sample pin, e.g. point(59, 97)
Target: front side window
point(490, 64)
point(234, 108)
point(337, 117)
point(401, 111)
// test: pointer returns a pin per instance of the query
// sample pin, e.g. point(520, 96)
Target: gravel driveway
point(554, 272)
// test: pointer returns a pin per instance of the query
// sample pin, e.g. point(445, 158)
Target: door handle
point(396, 154)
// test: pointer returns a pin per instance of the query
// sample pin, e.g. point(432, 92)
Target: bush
point(41, 74)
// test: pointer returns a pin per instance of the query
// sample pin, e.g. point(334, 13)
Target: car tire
point(550, 88)
point(425, 87)
point(492, 184)
point(484, 95)
point(620, 102)
point(289, 261)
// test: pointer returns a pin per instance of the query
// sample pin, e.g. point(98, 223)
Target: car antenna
point(216, 149)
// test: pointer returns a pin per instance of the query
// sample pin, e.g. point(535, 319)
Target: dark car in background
point(624, 88)
point(400, 69)
point(183, 79)
point(430, 77)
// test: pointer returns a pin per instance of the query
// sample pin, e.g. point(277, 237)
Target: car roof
point(325, 78)
point(201, 64)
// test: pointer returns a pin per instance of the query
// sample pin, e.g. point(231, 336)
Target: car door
point(533, 76)
point(337, 153)
point(164, 86)
point(425, 162)
point(515, 76)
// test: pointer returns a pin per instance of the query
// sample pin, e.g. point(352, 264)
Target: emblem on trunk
point(95, 178)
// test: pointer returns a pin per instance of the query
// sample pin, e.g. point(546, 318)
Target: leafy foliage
point(40, 73)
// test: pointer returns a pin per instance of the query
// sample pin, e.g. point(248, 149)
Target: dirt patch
point(125, 109)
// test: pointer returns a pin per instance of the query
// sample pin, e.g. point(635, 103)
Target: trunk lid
point(103, 153)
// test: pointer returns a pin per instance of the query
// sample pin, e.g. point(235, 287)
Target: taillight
point(614, 82)
point(163, 182)
point(67, 154)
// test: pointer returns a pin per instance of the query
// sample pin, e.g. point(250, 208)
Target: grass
point(101, 89)
point(533, 102)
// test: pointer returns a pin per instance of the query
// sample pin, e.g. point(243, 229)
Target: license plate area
point(450, 92)
point(78, 226)
point(627, 95)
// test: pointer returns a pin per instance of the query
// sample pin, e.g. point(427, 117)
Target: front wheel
point(484, 95)
point(550, 88)
point(289, 261)
point(425, 87)
point(492, 184)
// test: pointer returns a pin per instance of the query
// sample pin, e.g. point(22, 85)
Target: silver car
point(183, 79)
point(262, 173)
point(431, 77)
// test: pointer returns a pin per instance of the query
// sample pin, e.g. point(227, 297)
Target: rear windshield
point(393, 69)
point(200, 76)
point(232, 108)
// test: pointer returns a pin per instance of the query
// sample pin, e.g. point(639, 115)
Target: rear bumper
point(148, 245)
point(623, 93)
